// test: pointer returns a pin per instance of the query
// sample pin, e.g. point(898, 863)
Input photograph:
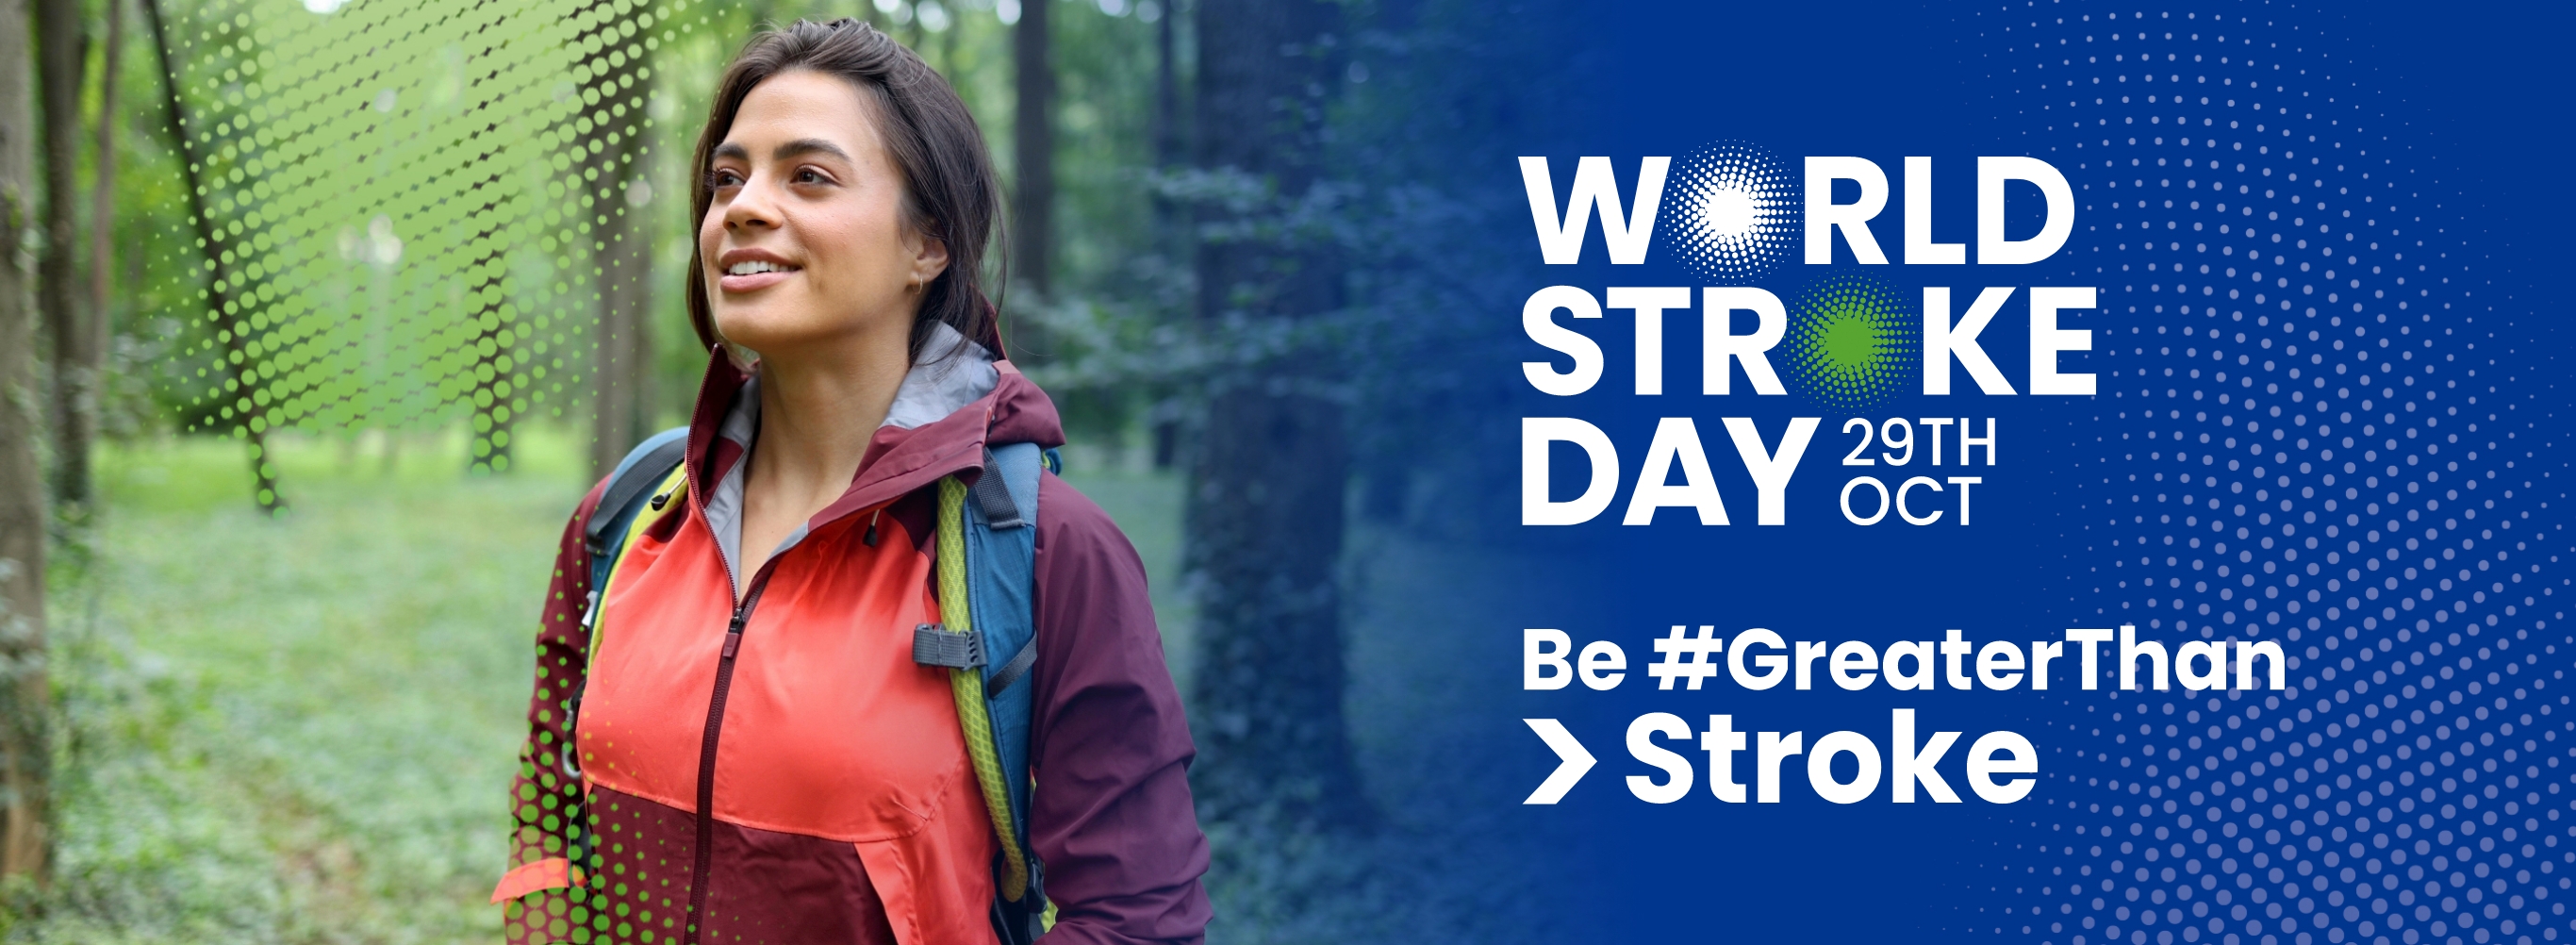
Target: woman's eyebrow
point(805, 146)
point(796, 148)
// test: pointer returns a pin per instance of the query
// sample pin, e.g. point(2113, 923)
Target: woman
point(757, 755)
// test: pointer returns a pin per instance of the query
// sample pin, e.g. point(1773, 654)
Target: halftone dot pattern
point(1853, 341)
point(2309, 433)
point(1735, 211)
point(397, 201)
point(399, 212)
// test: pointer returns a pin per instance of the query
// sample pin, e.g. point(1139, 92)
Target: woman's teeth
point(751, 268)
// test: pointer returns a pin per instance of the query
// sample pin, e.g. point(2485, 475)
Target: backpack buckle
point(934, 645)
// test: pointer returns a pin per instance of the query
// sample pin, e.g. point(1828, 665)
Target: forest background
point(320, 315)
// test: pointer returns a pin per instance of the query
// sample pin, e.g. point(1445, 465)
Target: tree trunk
point(60, 55)
point(1167, 93)
point(1170, 218)
point(25, 749)
point(499, 397)
point(500, 389)
point(264, 483)
point(619, 242)
point(1033, 147)
point(1266, 510)
point(102, 212)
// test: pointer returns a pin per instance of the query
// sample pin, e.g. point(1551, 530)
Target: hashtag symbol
point(1672, 664)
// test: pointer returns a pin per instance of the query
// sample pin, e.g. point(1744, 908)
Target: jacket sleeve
point(541, 886)
point(1111, 817)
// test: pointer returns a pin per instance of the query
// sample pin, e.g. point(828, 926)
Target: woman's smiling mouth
point(752, 270)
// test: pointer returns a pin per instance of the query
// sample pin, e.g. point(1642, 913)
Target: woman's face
point(805, 241)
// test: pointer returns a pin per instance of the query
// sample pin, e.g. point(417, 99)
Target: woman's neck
point(818, 409)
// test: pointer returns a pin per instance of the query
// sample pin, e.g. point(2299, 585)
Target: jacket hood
point(956, 399)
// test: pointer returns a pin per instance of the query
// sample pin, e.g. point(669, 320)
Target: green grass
point(297, 729)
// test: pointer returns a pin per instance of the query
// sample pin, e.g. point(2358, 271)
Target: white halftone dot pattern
point(1734, 211)
point(2308, 433)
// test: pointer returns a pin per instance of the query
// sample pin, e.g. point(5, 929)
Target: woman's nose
point(751, 206)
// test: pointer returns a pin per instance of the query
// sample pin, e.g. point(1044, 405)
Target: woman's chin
point(778, 326)
point(773, 336)
point(766, 334)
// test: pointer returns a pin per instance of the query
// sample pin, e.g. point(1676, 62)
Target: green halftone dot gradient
point(1852, 341)
point(400, 203)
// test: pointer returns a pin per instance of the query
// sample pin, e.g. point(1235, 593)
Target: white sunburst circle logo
point(1738, 211)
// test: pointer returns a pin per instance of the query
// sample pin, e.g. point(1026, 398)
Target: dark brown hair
point(950, 190)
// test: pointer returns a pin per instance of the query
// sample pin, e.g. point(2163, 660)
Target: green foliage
point(1104, 141)
point(1417, 196)
point(402, 197)
point(387, 249)
point(295, 729)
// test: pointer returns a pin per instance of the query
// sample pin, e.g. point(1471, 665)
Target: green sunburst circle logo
point(1852, 341)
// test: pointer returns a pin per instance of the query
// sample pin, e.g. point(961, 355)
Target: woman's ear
point(929, 259)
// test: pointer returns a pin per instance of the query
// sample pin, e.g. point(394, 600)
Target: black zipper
point(703, 855)
point(705, 848)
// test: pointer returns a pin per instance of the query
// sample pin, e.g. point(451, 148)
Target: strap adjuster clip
point(934, 645)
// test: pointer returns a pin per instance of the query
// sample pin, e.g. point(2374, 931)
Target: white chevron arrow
point(1573, 761)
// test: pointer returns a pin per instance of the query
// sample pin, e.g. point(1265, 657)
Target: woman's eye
point(721, 178)
point(807, 175)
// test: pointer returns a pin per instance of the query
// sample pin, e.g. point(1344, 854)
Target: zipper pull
point(590, 611)
point(870, 539)
point(733, 636)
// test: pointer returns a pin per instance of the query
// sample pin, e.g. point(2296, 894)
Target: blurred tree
point(102, 214)
point(1167, 95)
point(496, 377)
point(61, 54)
point(1171, 153)
point(611, 177)
point(24, 705)
point(500, 390)
point(1033, 147)
point(1169, 231)
point(223, 305)
point(1266, 505)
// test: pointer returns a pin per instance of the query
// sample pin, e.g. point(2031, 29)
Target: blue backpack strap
point(624, 497)
point(1001, 556)
point(604, 536)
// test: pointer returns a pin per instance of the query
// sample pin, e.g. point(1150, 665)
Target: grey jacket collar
point(951, 373)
